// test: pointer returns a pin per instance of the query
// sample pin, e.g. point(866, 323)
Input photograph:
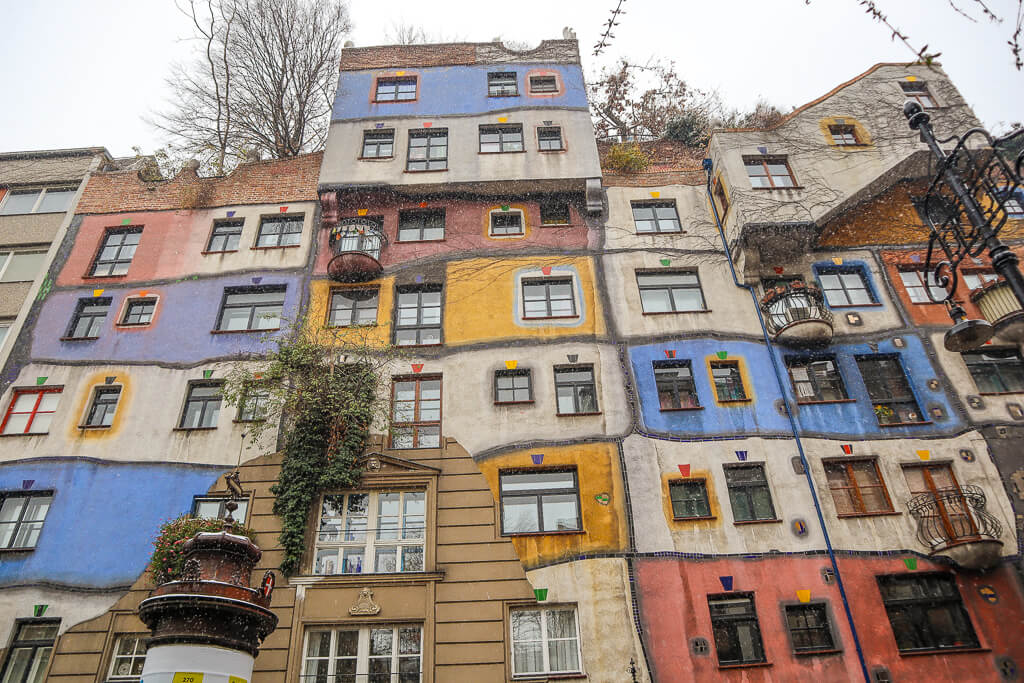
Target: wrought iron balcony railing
point(357, 245)
point(954, 517)
point(797, 314)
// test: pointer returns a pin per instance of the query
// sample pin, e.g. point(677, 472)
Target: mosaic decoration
point(742, 455)
point(231, 214)
point(1015, 411)
point(257, 280)
point(700, 646)
point(144, 292)
point(924, 454)
point(762, 150)
point(799, 528)
point(988, 594)
point(541, 594)
point(1007, 668)
point(378, 125)
point(44, 289)
point(779, 270)
point(427, 124)
point(573, 357)
point(847, 448)
point(97, 292)
point(976, 402)
point(967, 455)
point(684, 470)
point(41, 381)
point(873, 346)
point(546, 270)
point(854, 319)
point(803, 595)
point(419, 279)
point(39, 610)
point(910, 562)
point(798, 465)
point(109, 379)
point(838, 260)
point(502, 119)
point(537, 458)
point(603, 498)
point(423, 205)
point(283, 209)
point(666, 262)
point(670, 353)
point(726, 582)
point(655, 194)
point(504, 207)
point(722, 355)
point(207, 374)
point(915, 258)
point(511, 364)
point(126, 221)
point(898, 342)
point(933, 384)
point(828, 575)
point(27, 483)
point(417, 367)
point(361, 212)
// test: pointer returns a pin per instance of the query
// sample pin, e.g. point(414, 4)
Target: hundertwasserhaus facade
point(694, 423)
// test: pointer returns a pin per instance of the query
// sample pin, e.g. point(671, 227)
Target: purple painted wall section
point(180, 333)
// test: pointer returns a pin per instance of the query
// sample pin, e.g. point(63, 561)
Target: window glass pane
point(19, 202)
point(23, 266)
point(519, 515)
point(56, 201)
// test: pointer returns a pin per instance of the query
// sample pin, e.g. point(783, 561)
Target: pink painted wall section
point(672, 595)
point(466, 224)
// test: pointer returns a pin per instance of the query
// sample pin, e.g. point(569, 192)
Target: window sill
point(699, 310)
point(428, 170)
point(576, 414)
point(944, 651)
point(854, 515)
point(398, 241)
point(660, 232)
point(679, 410)
point(871, 305)
point(281, 246)
point(134, 325)
point(345, 327)
point(567, 532)
point(516, 235)
point(550, 677)
point(83, 427)
point(906, 424)
point(1000, 393)
point(390, 158)
point(26, 434)
point(791, 187)
point(377, 578)
point(269, 329)
point(552, 317)
point(105, 277)
point(553, 151)
point(813, 653)
point(825, 403)
point(744, 522)
point(505, 95)
point(245, 422)
point(193, 429)
point(78, 339)
point(693, 519)
point(514, 403)
point(735, 400)
point(556, 225)
point(511, 151)
point(17, 550)
point(748, 665)
point(417, 346)
point(223, 251)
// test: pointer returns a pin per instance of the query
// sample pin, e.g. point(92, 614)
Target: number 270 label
point(187, 677)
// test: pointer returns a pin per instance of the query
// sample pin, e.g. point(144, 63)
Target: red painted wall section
point(672, 596)
point(465, 228)
point(166, 238)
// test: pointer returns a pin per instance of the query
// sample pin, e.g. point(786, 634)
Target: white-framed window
point(373, 531)
point(21, 518)
point(507, 223)
point(37, 200)
point(545, 641)
point(976, 280)
point(5, 329)
point(214, 507)
point(374, 654)
point(128, 658)
point(914, 282)
point(21, 266)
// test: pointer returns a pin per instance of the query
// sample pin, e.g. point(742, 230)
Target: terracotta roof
point(261, 182)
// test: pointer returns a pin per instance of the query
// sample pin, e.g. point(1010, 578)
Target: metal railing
point(948, 517)
point(794, 304)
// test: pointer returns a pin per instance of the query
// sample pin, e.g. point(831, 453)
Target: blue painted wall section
point(454, 90)
point(94, 502)
point(188, 311)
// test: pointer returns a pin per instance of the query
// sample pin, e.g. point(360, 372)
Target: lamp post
point(973, 181)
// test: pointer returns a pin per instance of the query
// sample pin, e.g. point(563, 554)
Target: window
point(501, 139)
point(539, 502)
point(946, 518)
point(543, 84)
point(353, 307)
point(816, 380)
point(914, 283)
point(418, 316)
point(428, 150)
point(721, 196)
point(45, 200)
point(652, 217)
point(548, 298)
point(103, 406)
point(502, 84)
point(674, 382)
point(255, 403)
point(22, 517)
point(395, 89)
point(845, 286)
point(889, 390)
point(89, 316)
point(771, 172)
point(843, 136)
point(725, 375)
point(689, 499)
point(128, 658)
point(857, 486)
point(976, 280)
point(21, 266)
point(545, 641)
point(248, 309)
point(202, 406)
point(367, 240)
point(1014, 205)
point(213, 507)
point(420, 226)
point(416, 413)
point(376, 654)
point(226, 236)
point(5, 328)
point(554, 213)
point(749, 495)
point(29, 653)
point(139, 312)
point(670, 291)
point(279, 231)
point(31, 411)
point(506, 223)
point(926, 612)
point(734, 624)
point(513, 386)
point(116, 252)
point(809, 628)
point(996, 371)
point(549, 139)
point(575, 390)
point(378, 144)
point(381, 531)
point(918, 91)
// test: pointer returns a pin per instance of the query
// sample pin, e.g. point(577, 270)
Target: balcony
point(1001, 308)
point(356, 244)
point(796, 315)
point(954, 523)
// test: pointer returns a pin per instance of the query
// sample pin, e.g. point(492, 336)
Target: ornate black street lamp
point(966, 207)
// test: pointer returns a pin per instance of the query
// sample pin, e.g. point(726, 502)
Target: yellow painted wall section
point(361, 335)
point(601, 501)
point(483, 299)
point(84, 399)
point(689, 524)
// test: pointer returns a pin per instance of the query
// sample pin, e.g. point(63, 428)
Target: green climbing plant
point(323, 389)
point(168, 548)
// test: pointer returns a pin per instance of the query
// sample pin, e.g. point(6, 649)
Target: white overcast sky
point(85, 72)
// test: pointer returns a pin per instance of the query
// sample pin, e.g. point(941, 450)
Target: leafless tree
point(402, 33)
point(262, 82)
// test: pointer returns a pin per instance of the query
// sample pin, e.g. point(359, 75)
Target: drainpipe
point(792, 425)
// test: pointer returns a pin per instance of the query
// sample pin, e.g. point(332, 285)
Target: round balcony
point(797, 315)
point(1000, 307)
point(955, 524)
point(356, 245)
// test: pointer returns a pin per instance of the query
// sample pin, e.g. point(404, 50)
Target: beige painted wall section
point(144, 426)
point(994, 407)
point(12, 296)
point(699, 231)
point(30, 228)
point(600, 590)
point(465, 163)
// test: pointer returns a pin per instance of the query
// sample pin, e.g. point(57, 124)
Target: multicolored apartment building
point(693, 423)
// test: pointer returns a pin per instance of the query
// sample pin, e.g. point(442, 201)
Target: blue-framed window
point(846, 285)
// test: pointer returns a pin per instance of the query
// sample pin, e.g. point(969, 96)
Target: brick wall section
point(451, 54)
point(263, 182)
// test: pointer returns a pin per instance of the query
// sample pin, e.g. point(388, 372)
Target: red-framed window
point(31, 411)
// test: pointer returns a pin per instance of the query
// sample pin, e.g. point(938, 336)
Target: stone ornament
point(364, 604)
point(373, 464)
